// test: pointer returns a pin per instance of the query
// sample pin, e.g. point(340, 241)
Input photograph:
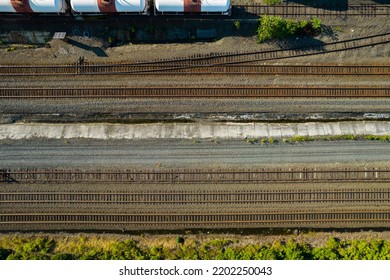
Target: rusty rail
point(194, 176)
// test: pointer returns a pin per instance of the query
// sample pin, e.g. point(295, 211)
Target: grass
point(272, 2)
point(237, 24)
point(183, 247)
point(300, 138)
point(378, 137)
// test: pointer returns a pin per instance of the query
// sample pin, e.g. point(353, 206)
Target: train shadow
point(96, 50)
point(335, 5)
point(384, 2)
point(301, 44)
point(242, 12)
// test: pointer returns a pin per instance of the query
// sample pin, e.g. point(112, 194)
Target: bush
point(237, 24)
point(272, 2)
point(179, 240)
point(316, 25)
point(349, 137)
point(127, 250)
point(217, 249)
point(4, 253)
point(64, 256)
point(40, 245)
point(272, 27)
point(252, 140)
point(378, 137)
point(329, 252)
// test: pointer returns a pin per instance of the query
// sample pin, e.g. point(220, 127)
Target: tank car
point(32, 6)
point(109, 6)
point(192, 6)
point(86, 7)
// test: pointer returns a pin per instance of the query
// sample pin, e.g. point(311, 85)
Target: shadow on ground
point(334, 5)
point(96, 50)
point(299, 43)
point(386, 2)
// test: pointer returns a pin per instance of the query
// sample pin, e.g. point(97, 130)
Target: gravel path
point(138, 110)
point(194, 80)
point(186, 154)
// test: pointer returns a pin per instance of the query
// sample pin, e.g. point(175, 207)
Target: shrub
point(127, 250)
point(316, 25)
point(217, 249)
point(64, 256)
point(252, 140)
point(40, 245)
point(4, 253)
point(272, 27)
point(378, 137)
point(349, 137)
point(272, 2)
point(303, 24)
point(329, 252)
point(298, 138)
point(237, 24)
point(179, 240)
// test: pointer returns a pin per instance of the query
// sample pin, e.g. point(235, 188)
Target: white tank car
point(193, 6)
point(32, 6)
point(109, 6)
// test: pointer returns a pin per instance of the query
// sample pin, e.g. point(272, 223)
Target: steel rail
point(297, 10)
point(194, 176)
point(199, 92)
point(158, 220)
point(118, 69)
point(216, 197)
point(190, 64)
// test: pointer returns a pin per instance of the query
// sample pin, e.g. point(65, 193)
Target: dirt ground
point(335, 29)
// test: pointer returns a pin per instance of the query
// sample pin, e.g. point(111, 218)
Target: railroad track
point(317, 196)
point(297, 10)
point(199, 92)
point(217, 59)
point(226, 63)
point(190, 220)
point(248, 69)
point(194, 176)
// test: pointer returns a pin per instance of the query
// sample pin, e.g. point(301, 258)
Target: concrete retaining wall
point(189, 131)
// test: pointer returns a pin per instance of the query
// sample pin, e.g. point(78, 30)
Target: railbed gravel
point(337, 29)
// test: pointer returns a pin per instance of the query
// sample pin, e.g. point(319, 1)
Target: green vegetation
point(273, 27)
point(338, 29)
point(111, 40)
point(300, 138)
point(272, 2)
point(44, 248)
point(252, 140)
point(378, 137)
point(237, 24)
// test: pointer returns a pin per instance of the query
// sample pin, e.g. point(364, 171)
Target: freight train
point(93, 7)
